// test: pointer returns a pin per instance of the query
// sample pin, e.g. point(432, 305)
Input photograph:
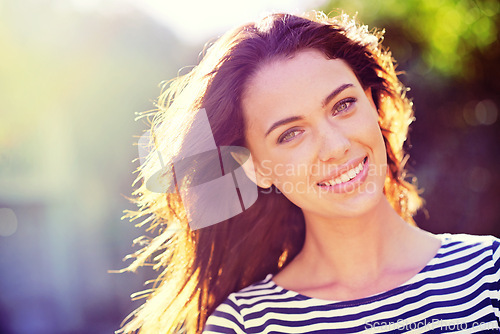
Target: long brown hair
point(198, 269)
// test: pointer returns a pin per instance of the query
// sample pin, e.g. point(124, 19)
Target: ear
point(256, 175)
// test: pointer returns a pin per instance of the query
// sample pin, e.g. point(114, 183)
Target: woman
point(330, 244)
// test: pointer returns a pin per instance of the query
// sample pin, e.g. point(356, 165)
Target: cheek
point(371, 127)
point(370, 134)
point(379, 150)
point(284, 170)
point(377, 140)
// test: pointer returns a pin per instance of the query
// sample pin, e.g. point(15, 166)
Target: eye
point(343, 105)
point(289, 135)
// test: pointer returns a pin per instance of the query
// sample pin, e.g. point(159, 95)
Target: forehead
point(292, 87)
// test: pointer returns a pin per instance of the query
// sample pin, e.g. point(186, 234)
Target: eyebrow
point(327, 100)
point(336, 92)
point(283, 121)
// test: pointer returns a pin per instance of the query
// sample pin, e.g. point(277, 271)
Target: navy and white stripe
point(458, 291)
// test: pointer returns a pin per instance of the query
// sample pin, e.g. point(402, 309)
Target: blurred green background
point(71, 81)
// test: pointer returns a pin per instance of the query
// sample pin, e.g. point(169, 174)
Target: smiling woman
point(321, 117)
point(330, 243)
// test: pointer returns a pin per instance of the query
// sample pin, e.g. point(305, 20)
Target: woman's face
point(313, 132)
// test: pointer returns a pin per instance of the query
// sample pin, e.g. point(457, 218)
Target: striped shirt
point(457, 291)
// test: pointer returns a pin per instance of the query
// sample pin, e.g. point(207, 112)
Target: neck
point(358, 249)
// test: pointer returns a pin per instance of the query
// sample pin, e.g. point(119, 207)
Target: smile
point(346, 176)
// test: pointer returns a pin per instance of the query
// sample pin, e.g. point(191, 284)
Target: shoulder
point(484, 250)
point(225, 319)
point(230, 315)
point(470, 241)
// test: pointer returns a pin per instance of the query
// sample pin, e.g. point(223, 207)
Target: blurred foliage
point(447, 32)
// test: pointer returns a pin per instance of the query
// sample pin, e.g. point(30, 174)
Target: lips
point(345, 173)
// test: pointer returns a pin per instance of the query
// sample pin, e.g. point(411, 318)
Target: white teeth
point(344, 177)
point(347, 176)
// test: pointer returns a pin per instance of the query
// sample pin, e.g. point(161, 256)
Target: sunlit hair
point(198, 269)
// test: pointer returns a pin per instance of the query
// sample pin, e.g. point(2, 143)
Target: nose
point(333, 144)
